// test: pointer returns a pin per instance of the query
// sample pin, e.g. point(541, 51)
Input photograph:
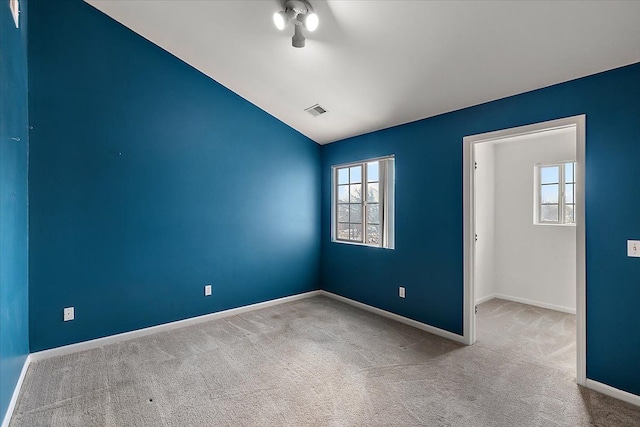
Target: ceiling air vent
point(315, 110)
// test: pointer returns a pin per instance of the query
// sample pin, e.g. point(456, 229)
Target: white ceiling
point(376, 64)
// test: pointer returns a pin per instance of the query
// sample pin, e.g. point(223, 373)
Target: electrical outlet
point(633, 248)
point(207, 290)
point(401, 291)
point(69, 314)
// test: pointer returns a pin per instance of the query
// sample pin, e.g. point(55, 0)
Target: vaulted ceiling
point(377, 64)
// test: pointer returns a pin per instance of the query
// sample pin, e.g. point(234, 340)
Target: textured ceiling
point(376, 64)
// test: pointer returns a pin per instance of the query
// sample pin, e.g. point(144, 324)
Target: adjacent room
point(319, 213)
point(525, 244)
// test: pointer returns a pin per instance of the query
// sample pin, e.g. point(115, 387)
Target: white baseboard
point(485, 299)
point(16, 392)
point(613, 392)
point(536, 303)
point(99, 342)
point(397, 317)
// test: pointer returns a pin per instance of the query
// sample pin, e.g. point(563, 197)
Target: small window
point(363, 203)
point(555, 193)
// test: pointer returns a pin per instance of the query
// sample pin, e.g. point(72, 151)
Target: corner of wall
point(14, 227)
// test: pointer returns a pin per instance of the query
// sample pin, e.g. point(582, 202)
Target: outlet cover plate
point(69, 314)
point(633, 248)
point(207, 290)
point(401, 292)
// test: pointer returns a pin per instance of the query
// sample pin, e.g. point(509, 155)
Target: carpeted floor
point(318, 362)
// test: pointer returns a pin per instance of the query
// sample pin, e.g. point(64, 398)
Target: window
point(555, 194)
point(363, 203)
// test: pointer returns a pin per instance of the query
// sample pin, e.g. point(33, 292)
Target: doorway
point(473, 278)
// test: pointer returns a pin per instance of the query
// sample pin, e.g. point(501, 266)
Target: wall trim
point(16, 392)
point(485, 299)
point(99, 342)
point(419, 325)
point(528, 302)
point(468, 228)
point(616, 393)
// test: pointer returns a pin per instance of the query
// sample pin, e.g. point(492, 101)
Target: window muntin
point(363, 194)
point(556, 193)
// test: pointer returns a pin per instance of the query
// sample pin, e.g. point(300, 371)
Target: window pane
point(372, 193)
point(549, 175)
point(568, 172)
point(568, 214)
point(343, 231)
point(343, 213)
point(568, 193)
point(356, 193)
point(373, 234)
point(373, 214)
point(343, 176)
point(549, 213)
point(356, 232)
point(549, 193)
point(355, 213)
point(356, 174)
point(372, 171)
point(343, 193)
point(359, 215)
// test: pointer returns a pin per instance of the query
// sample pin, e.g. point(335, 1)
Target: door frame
point(468, 163)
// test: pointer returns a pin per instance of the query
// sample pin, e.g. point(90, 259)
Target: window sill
point(343, 242)
point(554, 225)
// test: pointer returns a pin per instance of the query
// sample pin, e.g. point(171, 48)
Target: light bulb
point(279, 20)
point(311, 21)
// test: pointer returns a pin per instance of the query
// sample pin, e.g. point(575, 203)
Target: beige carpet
point(318, 362)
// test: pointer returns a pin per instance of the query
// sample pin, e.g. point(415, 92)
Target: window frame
point(562, 197)
point(386, 201)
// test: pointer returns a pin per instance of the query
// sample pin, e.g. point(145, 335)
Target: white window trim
point(386, 196)
point(537, 207)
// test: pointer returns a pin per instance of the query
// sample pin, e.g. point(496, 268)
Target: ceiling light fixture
point(301, 14)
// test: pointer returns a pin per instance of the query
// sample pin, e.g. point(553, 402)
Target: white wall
point(534, 264)
point(484, 279)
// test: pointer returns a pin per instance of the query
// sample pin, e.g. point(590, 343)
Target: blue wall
point(14, 235)
point(428, 258)
point(149, 180)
